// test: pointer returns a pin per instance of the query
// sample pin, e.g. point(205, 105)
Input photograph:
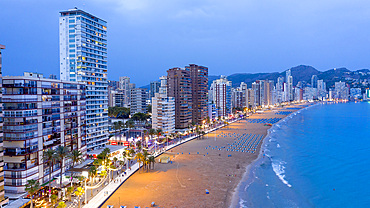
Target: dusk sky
point(147, 37)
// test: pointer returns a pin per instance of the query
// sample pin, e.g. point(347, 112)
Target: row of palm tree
point(59, 155)
point(146, 159)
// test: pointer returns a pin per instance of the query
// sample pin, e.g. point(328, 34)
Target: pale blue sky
point(146, 37)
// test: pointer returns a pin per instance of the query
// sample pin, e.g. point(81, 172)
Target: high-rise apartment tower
point(83, 57)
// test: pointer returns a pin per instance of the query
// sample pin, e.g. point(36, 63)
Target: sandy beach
point(198, 165)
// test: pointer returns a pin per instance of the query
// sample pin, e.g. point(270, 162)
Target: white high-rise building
point(83, 57)
point(125, 88)
point(289, 81)
point(40, 114)
point(321, 89)
point(221, 89)
point(163, 86)
point(138, 99)
point(163, 113)
point(341, 91)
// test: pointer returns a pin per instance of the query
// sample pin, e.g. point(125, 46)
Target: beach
point(216, 162)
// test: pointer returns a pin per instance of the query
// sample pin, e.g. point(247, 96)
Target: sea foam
point(278, 167)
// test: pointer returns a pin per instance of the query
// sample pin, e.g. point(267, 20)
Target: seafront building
point(83, 57)
point(314, 80)
point(341, 91)
point(199, 92)
point(138, 99)
point(3, 199)
point(289, 86)
point(179, 87)
point(40, 114)
point(221, 90)
point(125, 89)
point(163, 113)
point(154, 88)
point(321, 89)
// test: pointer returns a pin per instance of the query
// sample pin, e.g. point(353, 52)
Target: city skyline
point(142, 36)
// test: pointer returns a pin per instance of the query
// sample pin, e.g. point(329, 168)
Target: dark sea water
point(319, 157)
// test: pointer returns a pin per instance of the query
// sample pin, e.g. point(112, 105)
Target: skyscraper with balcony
point(199, 91)
point(154, 88)
point(83, 57)
point(179, 87)
point(221, 89)
point(138, 99)
point(3, 200)
point(40, 114)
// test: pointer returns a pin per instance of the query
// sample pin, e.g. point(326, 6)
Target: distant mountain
point(300, 73)
point(146, 87)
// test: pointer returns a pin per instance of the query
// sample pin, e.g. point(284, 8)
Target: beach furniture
point(152, 204)
point(109, 206)
point(123, 207)
point(207, 192)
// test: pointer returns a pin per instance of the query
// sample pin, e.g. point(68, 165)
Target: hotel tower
point(83, 57)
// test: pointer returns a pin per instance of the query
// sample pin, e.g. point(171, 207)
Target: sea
point(316, 157)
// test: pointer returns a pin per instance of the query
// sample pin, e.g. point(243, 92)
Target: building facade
point(221, 89)
point(199, 91)
point(3, 200)
point(83, 57)
point(125, 88)
point(179, 87)
point(40, 114)
point(341, 91)
point(154, 88)
point(138, 99)
point(163, 113)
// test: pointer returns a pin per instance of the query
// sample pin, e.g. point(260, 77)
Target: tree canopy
point(119, 112)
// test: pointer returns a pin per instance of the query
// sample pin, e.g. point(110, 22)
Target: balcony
point(19, 151)
point(21, 174)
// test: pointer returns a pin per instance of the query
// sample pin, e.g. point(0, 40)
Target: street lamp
point(85, 174)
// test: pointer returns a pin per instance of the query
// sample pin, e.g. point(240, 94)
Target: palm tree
point(79, 192)
point(76, 157)
point(139, 157)
point(145, 159)
point(151, 160)
point(31, 187)
point(124, 156)
point(115, 161)
point(151, 132)
point(49, 156)
point(61, 152)
point(92, 174)
point(138, 145)
point(130, 154)
point(54, 199)
point(69, 192)
point(61, 205)
point(116, 126)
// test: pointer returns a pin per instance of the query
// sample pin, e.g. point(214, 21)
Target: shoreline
point(247, 176)
point(198, 165)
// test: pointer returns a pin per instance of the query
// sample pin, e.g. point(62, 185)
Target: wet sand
point(183, 183)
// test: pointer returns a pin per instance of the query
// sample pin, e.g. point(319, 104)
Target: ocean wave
point(278, 167)
point(278, 145)
point(242, 203)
